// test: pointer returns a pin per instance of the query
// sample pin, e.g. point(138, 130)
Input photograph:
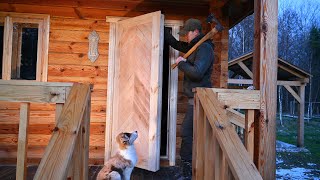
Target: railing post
point(86, 137)
point(69, 140)
point(21, 172)
point(81, 153)
point(249, 132)
point(217, 159)
point(59, 107)
point(209, 146)
point(198, 151)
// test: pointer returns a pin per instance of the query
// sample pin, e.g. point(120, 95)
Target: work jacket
point(198, 67)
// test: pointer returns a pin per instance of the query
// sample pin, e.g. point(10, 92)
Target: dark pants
point(187, 133)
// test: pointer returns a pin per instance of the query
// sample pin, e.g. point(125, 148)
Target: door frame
point(172, 94)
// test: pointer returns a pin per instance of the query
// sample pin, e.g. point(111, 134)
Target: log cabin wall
point(68, 62)
point(70, 25)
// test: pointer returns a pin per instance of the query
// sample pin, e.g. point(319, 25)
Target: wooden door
point(136, 87)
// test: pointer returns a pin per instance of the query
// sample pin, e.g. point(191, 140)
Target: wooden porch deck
point(165, 173)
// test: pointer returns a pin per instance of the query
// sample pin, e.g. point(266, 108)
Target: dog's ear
point(124, 138)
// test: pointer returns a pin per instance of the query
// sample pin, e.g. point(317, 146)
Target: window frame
point(43, 21)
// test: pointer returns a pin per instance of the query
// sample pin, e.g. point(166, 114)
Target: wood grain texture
point(40, 94)
point(249, 132)
point(300, 133)
point(265, 80)
point(75, 47)
point(21, 173)
point(60, 148)
point(7, 48)
point(75, 24)
point(137, 85)
point(234, 152)
point(237, 98)
point(76, 58)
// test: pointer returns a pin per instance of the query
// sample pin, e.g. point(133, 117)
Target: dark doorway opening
point(165, 102)
point(1, 47)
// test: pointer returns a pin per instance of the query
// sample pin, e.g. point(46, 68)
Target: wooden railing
point(67, 152)
point(218, 152)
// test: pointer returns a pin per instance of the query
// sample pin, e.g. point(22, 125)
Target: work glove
point(179, 59)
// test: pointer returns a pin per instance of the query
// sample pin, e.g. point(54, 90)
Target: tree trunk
point(280, 103)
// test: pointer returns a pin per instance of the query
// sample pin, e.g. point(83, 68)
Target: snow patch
point(311, 164)
point(285, 147)
point(294, 173)
point(279, 161)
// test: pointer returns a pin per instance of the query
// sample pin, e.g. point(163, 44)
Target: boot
point(186, 169)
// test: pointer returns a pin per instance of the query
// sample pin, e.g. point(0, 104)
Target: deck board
point(165, 173)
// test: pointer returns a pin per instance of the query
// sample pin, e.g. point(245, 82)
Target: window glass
point(24, 51)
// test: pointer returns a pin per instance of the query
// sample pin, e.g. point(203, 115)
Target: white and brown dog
point(120, 166)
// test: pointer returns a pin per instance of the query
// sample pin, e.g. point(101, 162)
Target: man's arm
point(178, 45)
point(202, 62)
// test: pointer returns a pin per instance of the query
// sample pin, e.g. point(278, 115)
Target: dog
point(120, 166)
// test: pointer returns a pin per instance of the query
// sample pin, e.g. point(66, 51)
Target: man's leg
point(186, 144)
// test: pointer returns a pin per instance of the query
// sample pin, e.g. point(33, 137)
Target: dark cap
point(190, 25)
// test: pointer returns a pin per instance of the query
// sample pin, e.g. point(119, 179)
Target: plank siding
point(68, 62)
point(265, 79)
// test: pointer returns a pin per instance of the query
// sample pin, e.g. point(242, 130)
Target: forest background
point(298, 44)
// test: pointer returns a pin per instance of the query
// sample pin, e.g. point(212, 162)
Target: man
point(197, 70)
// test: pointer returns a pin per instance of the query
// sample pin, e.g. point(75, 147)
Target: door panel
point(137, 85)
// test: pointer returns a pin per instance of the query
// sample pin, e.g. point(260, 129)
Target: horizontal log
point(47, 129)
point(43, 140)
point(180, 117)
point(240, 81)
point(76, 36)
point(98, 82)
point(96, 105)
point(182, 107)
point(36, 161)
point(78, 71)
point(81, 48)
point(79, 59)
point(100, 9)
point(239, 98)
point(41, 94)
point(36, 152)
point(290, 83)
point(78, 24)
point(41, 117)
point(35, 83)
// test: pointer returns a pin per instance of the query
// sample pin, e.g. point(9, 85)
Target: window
point(24, 46)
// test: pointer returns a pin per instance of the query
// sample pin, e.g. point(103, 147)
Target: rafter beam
point(293, 93)
point(246, 69)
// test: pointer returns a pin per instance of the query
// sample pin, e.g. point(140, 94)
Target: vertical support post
point(265, 80)
point(223, 165)
point(220, 73)
point(21, 172)
point(218, 159)
point(300, 142)
point(249, 131)
point(59, 107)
point(7, 48)
point(111, 69)
point(198, 144)
point(209, 146)
point(78, 168)
point(173, 94)
point(86, 137)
